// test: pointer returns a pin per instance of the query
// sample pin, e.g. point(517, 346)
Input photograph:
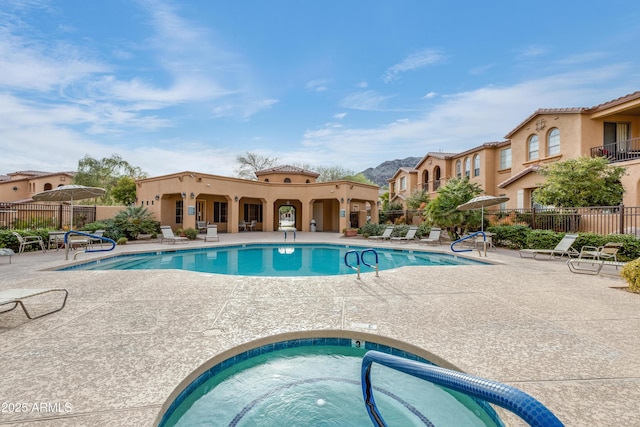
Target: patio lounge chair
point(411, 235)
point(595, 266)
point(201, 226)
point(167, 234)
point(25, 241)
point(7, 252)
point(562, 248)
point(386, 234)
point(17, 297)
point(607, 252)
point(433, 238)
point(212, 233)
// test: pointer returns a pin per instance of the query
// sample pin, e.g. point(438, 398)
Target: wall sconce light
point(341, 199)
point(349, 200)
point(184, 194)
point(235, 198)
point(15, 188)
point(157, 197)
point(193, 196)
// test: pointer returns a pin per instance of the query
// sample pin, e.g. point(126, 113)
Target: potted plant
point(180, 232)
point(350, 232)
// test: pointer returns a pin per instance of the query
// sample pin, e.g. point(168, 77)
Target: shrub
point(510, 236)
point(135, 220)
point(542, 239)
point(191, 233)
point(122, 241)
point(631, 273)
point(369, 229)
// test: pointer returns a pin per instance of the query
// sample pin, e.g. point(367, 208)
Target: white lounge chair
point(562, 248)
point(411, 235)
point(594, 266)
point(607, 252)
point(433, 238)
point(386, 234)
point(167, 234)
point(212, 233)
point(17, 297)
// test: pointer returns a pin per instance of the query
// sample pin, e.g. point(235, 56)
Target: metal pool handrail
point(469, 237)
point(93, 236)
point(510, 398)
point(366, 263)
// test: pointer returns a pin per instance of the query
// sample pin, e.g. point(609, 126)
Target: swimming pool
point(315, 381)
point(300, 259)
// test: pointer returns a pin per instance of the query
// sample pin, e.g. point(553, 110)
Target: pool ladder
point(359, 259)
point(526, 407)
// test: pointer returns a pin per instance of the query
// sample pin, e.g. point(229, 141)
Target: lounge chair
point(201, 226)
point(607, 252)
point(167, 234)
point(596, 265)
point(562, 248)
point(386, 234)
point(17, 297)
point(24, 241)
point(433, 238)
point(212, 233)
point(242, 225)
point(7, 252)
point(411, 235)
point(252, 225)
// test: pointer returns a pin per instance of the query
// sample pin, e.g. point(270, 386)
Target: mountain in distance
point(385, 170)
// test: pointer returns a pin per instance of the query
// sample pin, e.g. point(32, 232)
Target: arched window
point(47, 186)
point(533, 147)
point(476, 165)
point(459, 169)
point(287, 180)
point(553, 142)
point(467, 167)
point(266, 180)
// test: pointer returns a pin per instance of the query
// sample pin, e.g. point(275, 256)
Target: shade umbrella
point(481, 202)
point(69, 193)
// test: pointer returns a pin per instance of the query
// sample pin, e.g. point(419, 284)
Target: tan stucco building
point(181, 199)
point(508, 167)
point(21, 186)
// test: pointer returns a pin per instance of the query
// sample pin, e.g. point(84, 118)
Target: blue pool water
point(317, 385)
point(275, 260)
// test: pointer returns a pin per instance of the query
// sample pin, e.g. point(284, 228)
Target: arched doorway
point(286, 217)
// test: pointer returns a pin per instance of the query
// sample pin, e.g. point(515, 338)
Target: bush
point(542, 239)
point(631, 273)
point(135, 220)
point(509, 236)
point(370, 229)
point(191, 233)
point(122, 241)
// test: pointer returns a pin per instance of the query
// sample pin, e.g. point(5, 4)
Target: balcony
point(620, 151)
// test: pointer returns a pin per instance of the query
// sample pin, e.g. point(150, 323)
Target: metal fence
point(601, 220)
point(15, 216)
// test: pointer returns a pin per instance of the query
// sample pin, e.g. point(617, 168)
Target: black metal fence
point(16, 216)
point(601, 220)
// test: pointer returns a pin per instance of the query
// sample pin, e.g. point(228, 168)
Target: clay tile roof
point(287, 169)
point(621, 100)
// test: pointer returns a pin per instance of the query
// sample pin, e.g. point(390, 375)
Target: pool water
point(275, 260)
point(320, 386)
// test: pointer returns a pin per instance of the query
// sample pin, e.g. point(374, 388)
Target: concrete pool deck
point(126, 339)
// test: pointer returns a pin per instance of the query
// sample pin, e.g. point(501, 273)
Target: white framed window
point(467, 167)
point(505, 158)
point(403, 183)
point(459, 169)
point(533, 150)
point(476, 165)
point(553, 142)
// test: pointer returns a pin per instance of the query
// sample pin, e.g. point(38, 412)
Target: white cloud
point(319, 85)
point(340, 116)
point(430, 95)
point(369, 100)
point(415, 61)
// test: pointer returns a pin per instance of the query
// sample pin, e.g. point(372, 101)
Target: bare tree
point(250, 163)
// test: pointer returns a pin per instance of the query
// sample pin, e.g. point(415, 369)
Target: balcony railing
point(620, 151)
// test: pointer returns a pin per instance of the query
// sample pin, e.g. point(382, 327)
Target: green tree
point(124, 191)
point(135, 220)
point(442, 210)
point(105, 173)
point(417, 198)
point(582, 181)
point(359, 178)
point(332, 173)
point(250, 163)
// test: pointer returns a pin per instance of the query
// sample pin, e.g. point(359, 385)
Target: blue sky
point(172, 86)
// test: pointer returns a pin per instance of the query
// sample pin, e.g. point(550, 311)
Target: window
point(476, 165)
point(505, 158)
point(252, 212)
point(467, 167)
point(179, 213)
point(459, 169)
point(287, 180)
point(553, 143)
point(533, 147)
point(403, 183)
point(220, 211)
